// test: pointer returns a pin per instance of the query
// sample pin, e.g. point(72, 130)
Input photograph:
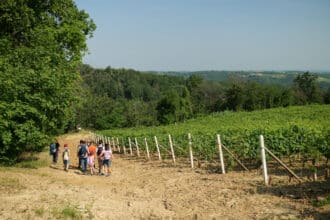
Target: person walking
point(83, 154)
point(100, 149)
point(91, 157)
point(54, 148)
point(66, 156)
point(107, 160)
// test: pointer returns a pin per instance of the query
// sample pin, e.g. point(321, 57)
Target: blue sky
point(189, 35)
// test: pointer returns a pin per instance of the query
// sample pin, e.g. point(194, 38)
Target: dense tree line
point(125, 98)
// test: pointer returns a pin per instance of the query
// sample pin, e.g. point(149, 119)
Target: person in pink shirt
point(107, 157)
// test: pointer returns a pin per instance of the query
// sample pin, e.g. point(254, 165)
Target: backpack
point(99, 150)
point(66, 155)
point(82, 151)
point(52, 148)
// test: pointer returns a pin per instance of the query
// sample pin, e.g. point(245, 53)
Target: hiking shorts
point(107, 162)
point(66, 162)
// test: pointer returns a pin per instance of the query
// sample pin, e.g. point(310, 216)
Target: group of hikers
point(87, 154)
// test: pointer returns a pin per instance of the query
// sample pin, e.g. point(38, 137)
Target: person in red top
point(92, 149)
point(91, 156)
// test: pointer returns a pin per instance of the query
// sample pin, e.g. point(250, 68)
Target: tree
point(194, 83)
point(326, 96)
point(253, 93)
point(306, 89)
point(41, 45)
point(167, 108)
point(173, 107)
point(234, 97)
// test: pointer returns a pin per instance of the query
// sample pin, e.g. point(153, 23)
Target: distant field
point(302, 129)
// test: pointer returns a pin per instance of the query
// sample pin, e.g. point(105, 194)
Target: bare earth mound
point(138, 189)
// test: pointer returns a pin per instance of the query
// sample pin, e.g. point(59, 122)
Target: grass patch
point(71, 212)
point(40, 211)
point(67, 212)
point(322, 202)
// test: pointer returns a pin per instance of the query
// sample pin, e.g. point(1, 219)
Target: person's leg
point(100, 165)
point(55, 158)
point(109, 168)
point(106, 167)
point(84, 164)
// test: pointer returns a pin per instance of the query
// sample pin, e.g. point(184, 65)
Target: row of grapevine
point(289, 131)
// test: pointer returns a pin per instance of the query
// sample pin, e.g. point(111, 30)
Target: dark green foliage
point(306, 89)
point(327, 96)
point(249, 96)
point(174, 107)
point(126, 98)
point(41, 44)
point(132, 98)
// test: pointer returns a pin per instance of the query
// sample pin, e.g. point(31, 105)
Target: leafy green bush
point(41, 46)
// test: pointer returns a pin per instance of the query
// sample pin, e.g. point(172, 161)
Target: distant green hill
point(265, 77)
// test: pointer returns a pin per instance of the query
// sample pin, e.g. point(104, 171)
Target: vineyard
point(294, 133)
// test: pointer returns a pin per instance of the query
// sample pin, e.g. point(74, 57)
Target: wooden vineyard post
point(147, 148)
point(190, 151)
point(113, 143)
point(263, 158)
point(124, 148)
point(221, 154)
point(172, 149)
point(130, 146)
point(118, 145)
point(283, 165)
point(157, 146)
point(109, 144)
point(137, 147)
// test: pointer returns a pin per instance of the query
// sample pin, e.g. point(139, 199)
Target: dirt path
point(138, 189)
